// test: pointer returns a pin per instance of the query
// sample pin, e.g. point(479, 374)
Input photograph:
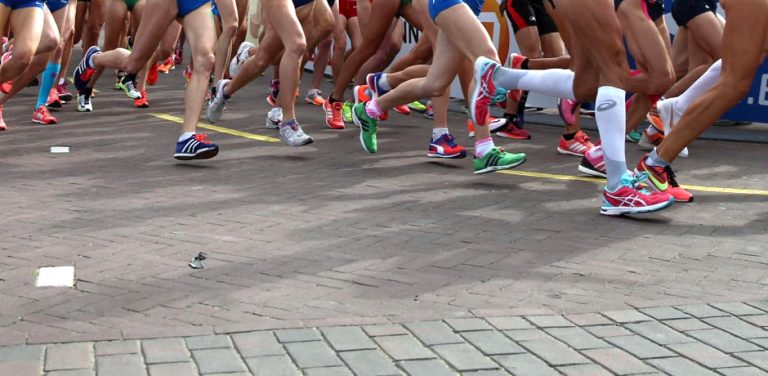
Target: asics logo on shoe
point(606, 105)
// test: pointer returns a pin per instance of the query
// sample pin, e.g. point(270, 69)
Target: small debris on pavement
point(59, 149)
point(197, 262)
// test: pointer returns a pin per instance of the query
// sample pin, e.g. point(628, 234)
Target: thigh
point(707, 32)
point(27, 27)
point(446, 62)
point(228, 11)
point(198, 30)
point(284, 20)
point(97, 10)
point(642, 37)
point(743, 40)
point(460, 25)
point(115, 24)
point(353, 30)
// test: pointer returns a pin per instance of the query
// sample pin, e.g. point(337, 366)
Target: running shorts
point(438, 6)
point(188, 6)
point(300, 3)
point(683, 11)
point(331, 2)
point(129, 3)
point(654, 9)
point(525, 13)
point(18, 4)
point(54, 5)
point(348, 8)
point(215, 9)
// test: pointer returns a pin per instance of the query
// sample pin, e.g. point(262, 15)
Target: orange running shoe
point(152, 74)
point(142, 102)
point(42, 116)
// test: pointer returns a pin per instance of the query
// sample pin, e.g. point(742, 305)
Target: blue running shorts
point(18, 4)
point(438, 6)
point(54, 5)
point(188, 6)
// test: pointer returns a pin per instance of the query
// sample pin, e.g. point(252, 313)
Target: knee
point(22, 58)
point(585, 93)
point(229, 28)
point(661, 82)
point(204, 62)
point(49, 42)
point(433, 89)
point(296, 49)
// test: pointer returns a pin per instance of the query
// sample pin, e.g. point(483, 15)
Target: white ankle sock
point(186, 135)
point(437, 132)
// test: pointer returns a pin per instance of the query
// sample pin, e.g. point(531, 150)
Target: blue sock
point(49, 79)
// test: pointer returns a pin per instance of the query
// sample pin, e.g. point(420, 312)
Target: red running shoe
point(42, 116)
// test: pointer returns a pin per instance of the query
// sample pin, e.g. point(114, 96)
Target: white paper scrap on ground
point(59, 149)
point(56, 276)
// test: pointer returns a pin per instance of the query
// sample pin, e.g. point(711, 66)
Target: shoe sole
point(568, 152)
point(499, 168)
point(44, 123)
point(84, 110)
point(589, 172)
point(443, 156)
point(204, 154)
point(626, 211)
point(645, 145)
point(513, 138)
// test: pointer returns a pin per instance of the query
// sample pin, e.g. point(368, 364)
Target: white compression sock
point(701, 86)
point(556, 83)
point(611, 117)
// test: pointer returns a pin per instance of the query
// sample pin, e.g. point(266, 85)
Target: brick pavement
point(328, 235)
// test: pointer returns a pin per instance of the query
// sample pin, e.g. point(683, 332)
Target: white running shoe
point(274, 118)
point(293, 135)
point(217, 103)
point(240, 58)
point(84, 103)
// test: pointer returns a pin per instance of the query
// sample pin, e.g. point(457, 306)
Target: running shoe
point(568, 110)
point(84, 71)
point(577, 146)
point(42, 116)
point(662, 179)
point(445, 147)
point(361, 94)
point(142, 102)
point(470, 129)
point(152, 74)
point(274, 93)
point(485, 91)
point(196, 146)
point(293, 135)
point(430, 112)
point(367, 127)
point(417, 106)
point(243, 53)
point(497, 159)
point(6, 87)
point(274, 118)
point(217, 103)
point(333, 117)
point(315, 96)
point(64, 94)
point(513, 130)
point(53, 100)
point(629, 199)
point(178, 54)
point(593, 162)
point(402, 109)
point(129, 87)
point(84, 102)
point(653, 117)
point(634, 136)
point(649, 141)
point(187, 75)
point(666, 111)
point(3, 126)
point(372, 81)
point(118, 78)
point(346, 112)
point(167, 66)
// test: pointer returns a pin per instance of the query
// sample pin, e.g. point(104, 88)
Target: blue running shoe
point(84, 71)
point(372, 79)
point(196, 146)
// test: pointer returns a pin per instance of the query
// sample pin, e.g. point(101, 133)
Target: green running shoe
point(634, 136)
point(346, 112)
point(418, 107)
point(497, 159)
point(367, 127)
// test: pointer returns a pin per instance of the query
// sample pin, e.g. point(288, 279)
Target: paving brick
point(297, 335)
point(685, 325)
point(280, 365)
point(758, 320)
point(328, 371)
point(706, 355)
point(584, 370)
point(617, 361)
point(369, 363)
point(742, 371)
point(605, 331)
point(640, 347)
point(257, 344)
point(464, 357)
point(525, 365)
point(626, 316)
point(218, 361)
point(120, 365)
point(69, 356)
point(312, 354)
point(738, 309)
point(492, 343)
point(168, 350)
point(72, 372)
point(553, 352)
point(658, 333)
point(403, 348)
point(509, 322)
point(22, 368)
point(577, 338)
point(549, 321)
point(469, 324)
point(680, 366)
point(722, 341)
point(739, 328)
point(664, 313)
point(172, 369)
point(346, 338)
point(427, 368)
point(384, 330)
point(588, 319)
point(701, 311)
point(433, 333)
point(486, 373)
point(757, 358)
point(526, 334)
point(21, 353)
point(208, 342)
point(117, 347)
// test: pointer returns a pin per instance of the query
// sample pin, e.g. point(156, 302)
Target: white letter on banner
point(763, 95)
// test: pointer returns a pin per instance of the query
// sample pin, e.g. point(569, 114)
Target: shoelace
point(671, 178)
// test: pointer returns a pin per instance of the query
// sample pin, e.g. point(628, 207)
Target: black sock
point(130, 77)
point(334, 100)
point(524, 65)
point(569, 136)
point(87, 92)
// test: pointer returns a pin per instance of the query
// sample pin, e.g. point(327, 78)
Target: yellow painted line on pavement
point(216, 128)
point(701, 188)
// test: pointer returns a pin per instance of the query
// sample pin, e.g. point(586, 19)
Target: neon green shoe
point(634, 136)
point(418, 107)
point(497, 159)
point(367, 127)
point(346, 112)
